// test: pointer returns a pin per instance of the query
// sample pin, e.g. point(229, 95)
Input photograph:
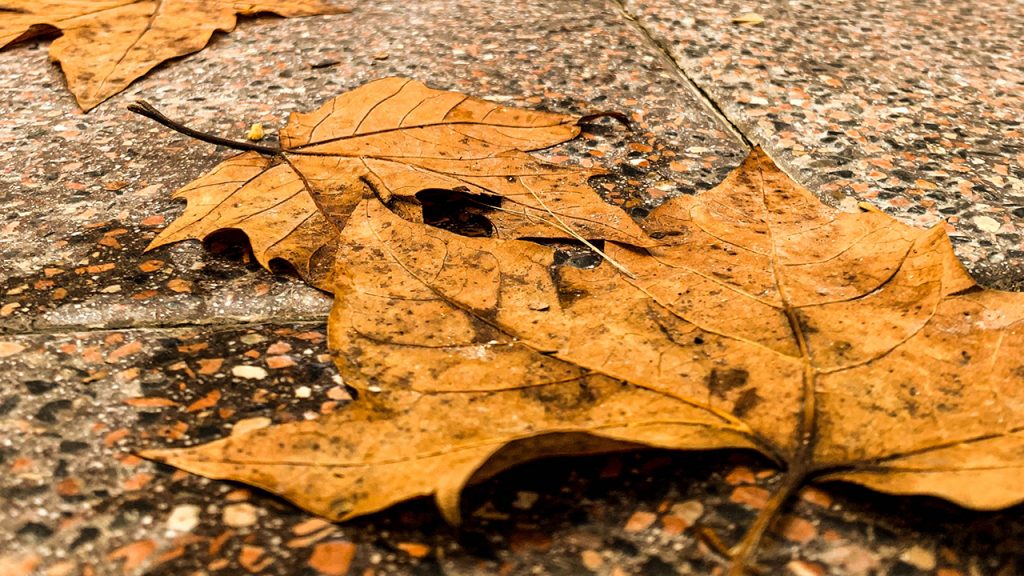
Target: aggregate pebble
point(240, 515)
point(249, 372)
point(183, 518)
point(919, 557)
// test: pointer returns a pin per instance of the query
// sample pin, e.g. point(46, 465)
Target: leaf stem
point(146, 109)
point(744, 554)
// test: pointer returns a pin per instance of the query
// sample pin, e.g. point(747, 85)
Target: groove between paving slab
point(73, 329)
point(705, 98)
point(673, 64)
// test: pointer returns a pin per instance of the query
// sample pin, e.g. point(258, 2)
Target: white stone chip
point(986, 223)
point(249, 424)
point(690, 511)
point(919, 557)
point(240, 515)
point(183, 518)
point(250, 372)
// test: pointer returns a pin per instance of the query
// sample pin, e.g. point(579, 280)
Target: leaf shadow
point(548, 516)
point(544, 514)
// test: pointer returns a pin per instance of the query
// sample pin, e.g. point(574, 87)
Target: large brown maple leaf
point(843, 346)
point(107, 44)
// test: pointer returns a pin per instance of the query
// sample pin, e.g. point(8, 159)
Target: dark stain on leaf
point(720, 382)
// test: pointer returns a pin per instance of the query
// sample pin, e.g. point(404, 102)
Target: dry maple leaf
point(395, 137)
point(843, 346)
point(107, 44)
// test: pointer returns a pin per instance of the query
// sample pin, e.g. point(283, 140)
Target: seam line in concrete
point(666, 55)
point(73, 329)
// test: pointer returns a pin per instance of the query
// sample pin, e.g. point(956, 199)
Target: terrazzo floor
point(913, 106)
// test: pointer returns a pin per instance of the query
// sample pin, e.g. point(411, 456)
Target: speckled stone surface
point(916, 107)
point(105, 349)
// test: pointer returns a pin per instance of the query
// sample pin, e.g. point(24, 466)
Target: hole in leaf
point(458, 212)
point(229, 243)
point(282, 267)
point(639, 212)
point(573, 252)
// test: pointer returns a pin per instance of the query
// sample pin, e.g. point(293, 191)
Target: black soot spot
point(720, 382)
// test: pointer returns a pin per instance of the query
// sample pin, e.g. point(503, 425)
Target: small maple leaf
point(107, 44)
point(395, 138)
point(843, 346)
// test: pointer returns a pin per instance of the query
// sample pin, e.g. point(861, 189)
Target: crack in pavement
point(671, 63)
point(74, 329)
point(705, 98)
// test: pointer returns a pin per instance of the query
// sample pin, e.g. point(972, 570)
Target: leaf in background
point(107, 44)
